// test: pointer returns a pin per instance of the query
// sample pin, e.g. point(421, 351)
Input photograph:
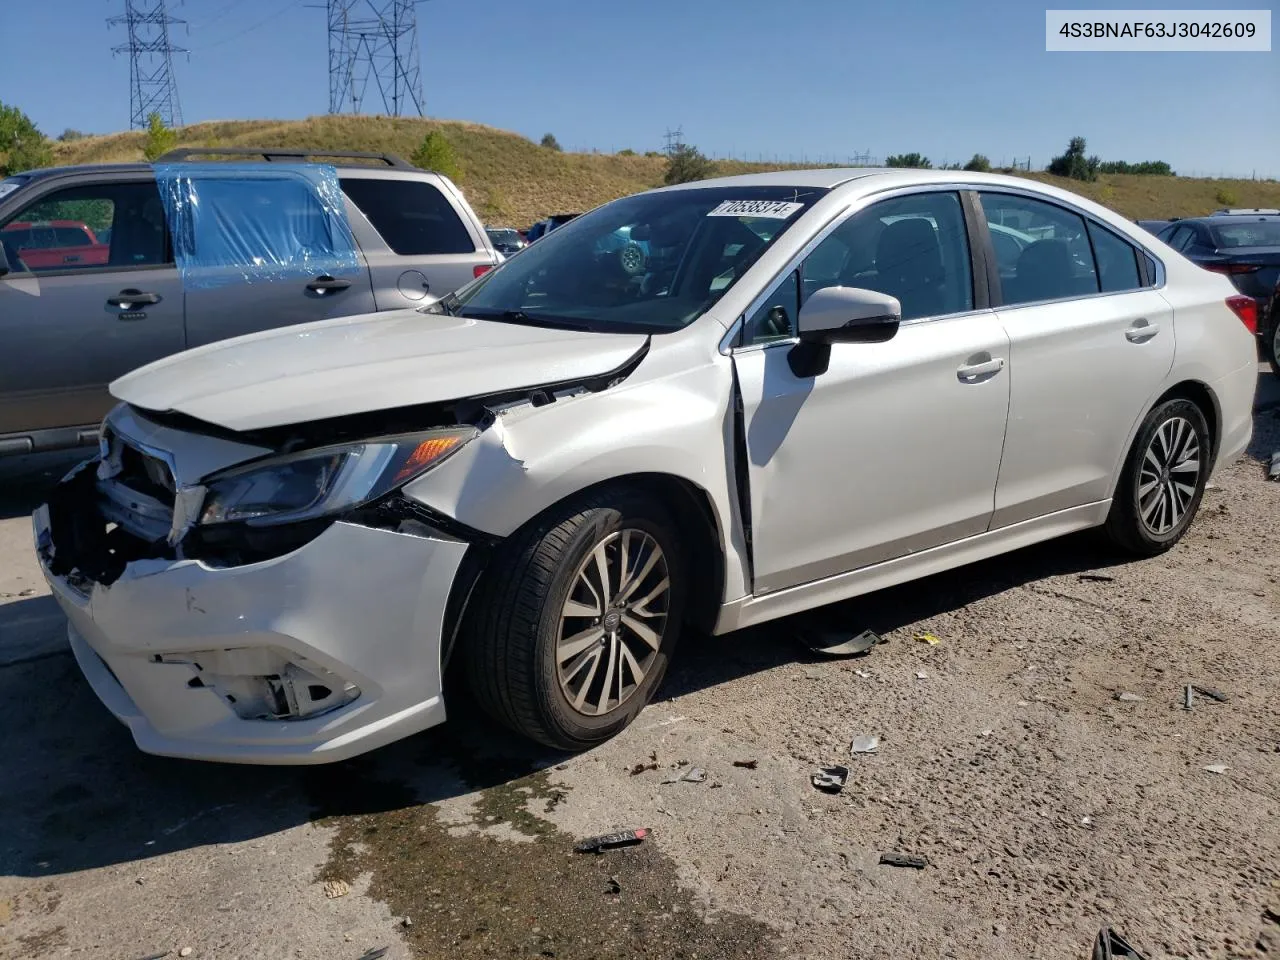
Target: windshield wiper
point(530, 320)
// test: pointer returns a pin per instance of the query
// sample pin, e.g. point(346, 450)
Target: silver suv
point(89, 289)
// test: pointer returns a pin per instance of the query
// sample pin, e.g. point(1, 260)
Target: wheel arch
point(1193, 390)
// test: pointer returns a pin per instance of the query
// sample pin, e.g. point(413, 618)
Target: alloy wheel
point(1169, 476)
point(612, 622)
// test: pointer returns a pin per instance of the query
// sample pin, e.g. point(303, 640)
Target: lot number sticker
point(773, 209)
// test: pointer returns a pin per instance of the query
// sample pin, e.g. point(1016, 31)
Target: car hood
point(360, 364)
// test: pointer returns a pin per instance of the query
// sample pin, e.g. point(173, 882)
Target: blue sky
point(821, 79)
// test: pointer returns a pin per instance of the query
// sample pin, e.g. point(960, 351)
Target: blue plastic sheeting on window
point(256, 222)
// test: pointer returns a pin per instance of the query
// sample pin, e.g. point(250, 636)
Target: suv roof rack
point(285, 154)
point(1246, 211)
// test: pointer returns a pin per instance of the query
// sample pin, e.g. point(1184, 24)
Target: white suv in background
point(89, 289)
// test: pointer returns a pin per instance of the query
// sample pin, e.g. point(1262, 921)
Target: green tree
point(1074, 164)
point(69, 134)
point(550, 142)
point(685, 163)
point(908, 160)
point(978, 163)
point(22, 145)
point(435, 153)
point(160, 139)
point(626, 152)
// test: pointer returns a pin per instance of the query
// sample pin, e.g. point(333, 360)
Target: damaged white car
point(799, 387)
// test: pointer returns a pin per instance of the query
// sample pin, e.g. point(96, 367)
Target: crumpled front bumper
point(368, 605)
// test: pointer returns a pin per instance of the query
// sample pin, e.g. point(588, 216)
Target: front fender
point(532, 457)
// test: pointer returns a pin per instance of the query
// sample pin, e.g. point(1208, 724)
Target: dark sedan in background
point(506, 240)
point(1244, 245)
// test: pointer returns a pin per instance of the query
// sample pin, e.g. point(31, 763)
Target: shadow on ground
point(78, 794)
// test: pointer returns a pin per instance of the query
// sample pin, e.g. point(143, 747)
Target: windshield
point(1259, 233)
point(649, 263)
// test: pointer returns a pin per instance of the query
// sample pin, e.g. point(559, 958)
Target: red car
point(55, 244)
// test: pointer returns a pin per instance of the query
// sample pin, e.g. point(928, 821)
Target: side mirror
point(840, 315)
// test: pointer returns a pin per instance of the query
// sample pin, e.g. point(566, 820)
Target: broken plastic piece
point(376, 954)
point(1187, 694)
point(865, 743)
point(1211, 693)
point(928, 638)
point(1124, 697)
point(612, 886)
point(608, 841)
point(1111, 946)
point(1096, 578)
point(747, 764)
point(831, 779)
point(834, 643)
point(1217, 768)
point(693, 775)
point(904, 860)
point(1273, 473)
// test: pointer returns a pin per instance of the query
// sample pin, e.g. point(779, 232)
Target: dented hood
point(360, 364)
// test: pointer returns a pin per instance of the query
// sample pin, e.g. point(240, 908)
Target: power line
point(374, 40)
point(152, 88)
point(253, 26)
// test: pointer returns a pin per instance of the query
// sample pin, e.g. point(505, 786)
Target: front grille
point(146, 474)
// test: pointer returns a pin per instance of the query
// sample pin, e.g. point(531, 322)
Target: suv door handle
point(1141, 331)
point(973, 372)
point(131, 299)
point(327, 284)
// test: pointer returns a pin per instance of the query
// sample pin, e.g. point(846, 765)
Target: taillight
point(1233, 267)
point(481, 269)
point(1246, 308)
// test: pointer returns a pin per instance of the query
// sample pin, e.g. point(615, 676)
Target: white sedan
point(821, 383)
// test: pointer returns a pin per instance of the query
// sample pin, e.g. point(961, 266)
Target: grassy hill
point(511, 180)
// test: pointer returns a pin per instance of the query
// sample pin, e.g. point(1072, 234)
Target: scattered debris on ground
point(865, 743)
point(1211, 693)
point(912, 860)
point(1111, 946)
point(1273, 473)
point(1217, 768)
point(650, 764)
point(610, 841)
point(831, 779)
point(928, 638)
point(333, 889)
point(612, 887)
point(1096, 578)
point(747, 764)
point(834, 643)
point(1125, 697)
point(692, 775)
point(376, 954)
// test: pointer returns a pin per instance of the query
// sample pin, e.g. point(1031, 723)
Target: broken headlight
point(324, 481)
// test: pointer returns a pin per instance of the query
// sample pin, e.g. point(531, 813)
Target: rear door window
point(413, 217)
point(1055, 261)
point(1116, 258)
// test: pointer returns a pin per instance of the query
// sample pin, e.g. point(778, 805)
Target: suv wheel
point(574, 623)
point(1163, 480)
point(632, 259)
point(1273, 343)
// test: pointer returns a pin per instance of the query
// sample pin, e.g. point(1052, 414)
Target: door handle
point(327, 284)
point(1141, 331)
point(973, 372)
point(132, 299)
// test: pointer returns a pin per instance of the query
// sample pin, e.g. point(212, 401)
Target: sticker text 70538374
point(773, 209)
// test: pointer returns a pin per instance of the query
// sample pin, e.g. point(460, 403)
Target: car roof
point(830, 177)
point(140, 167)
point(1217, 219)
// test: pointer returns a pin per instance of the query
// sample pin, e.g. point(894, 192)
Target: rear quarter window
point(413, 217)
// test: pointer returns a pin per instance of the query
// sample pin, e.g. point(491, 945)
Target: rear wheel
point(573, 625)
point(1163, 480)
point(1273, 344)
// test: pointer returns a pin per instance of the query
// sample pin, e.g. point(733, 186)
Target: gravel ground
point(1046, 807)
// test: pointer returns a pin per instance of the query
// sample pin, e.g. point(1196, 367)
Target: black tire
point(1272, 345)
point(1126, 526)
point(514, 621)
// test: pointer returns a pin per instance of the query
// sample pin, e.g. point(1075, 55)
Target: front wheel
point(574, 622)
point(1163, 480)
